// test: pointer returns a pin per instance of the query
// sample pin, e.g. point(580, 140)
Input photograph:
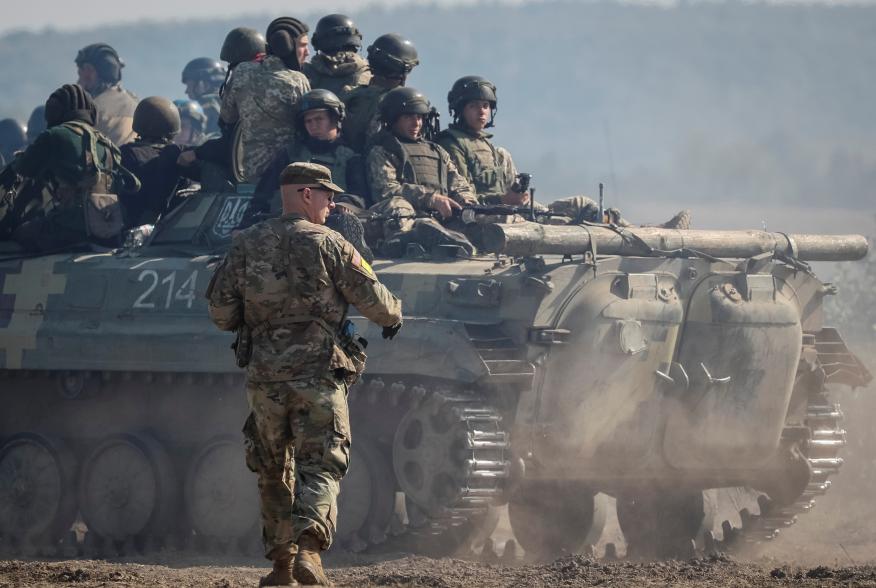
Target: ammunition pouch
point(103, 216)
point(242, 346)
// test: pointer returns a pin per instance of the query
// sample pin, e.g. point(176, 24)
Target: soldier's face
point(321, 125)
point(319, 203)
point(408, 126)
point(302, 49)
point(476, 114)
point(195, 90)
point(87, 77)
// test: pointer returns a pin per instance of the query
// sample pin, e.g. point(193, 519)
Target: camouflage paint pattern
point(263, 96)
point(298, 442)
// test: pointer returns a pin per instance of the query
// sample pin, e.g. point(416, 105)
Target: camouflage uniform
point(115, 113)
point(363, 117)
point(262, 96)
point(489, 169)
point(339, 73)
point(293, 280)
point(404, 176)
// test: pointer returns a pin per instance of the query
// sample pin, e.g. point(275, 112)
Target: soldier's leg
point(396, 215)
point(321, 428)
point(269, 454)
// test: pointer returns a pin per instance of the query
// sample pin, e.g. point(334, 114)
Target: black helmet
point(193, 111)
point(242, 44)
point(392, 55)
point(204, 69)
point(36, 124)
point(399, 101)
point(156, 118)
point(104, 58)
point(319, 100)
point(70, 102)
point(282, 35)
point(336, 32)
point(467, 89)
point(13, 137)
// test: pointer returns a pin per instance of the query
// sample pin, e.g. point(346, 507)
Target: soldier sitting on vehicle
point(391, 58)
point(337, 66)
point(100, 74)
point(13, 138)
point(152, 158)
point(203, 78)
point(319, 140)
point(410, 176)
point(79, 169)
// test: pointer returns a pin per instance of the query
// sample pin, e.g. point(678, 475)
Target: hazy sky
point(64, 14)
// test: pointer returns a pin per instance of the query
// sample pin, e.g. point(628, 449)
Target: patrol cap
point(309, 173)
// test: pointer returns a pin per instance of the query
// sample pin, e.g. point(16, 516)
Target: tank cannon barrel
point(528, 238)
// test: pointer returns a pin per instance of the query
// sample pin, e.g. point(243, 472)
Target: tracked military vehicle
point(648, 364)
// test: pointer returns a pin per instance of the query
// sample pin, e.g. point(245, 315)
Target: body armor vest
point(424, 166)
point(482, 163)
point(334, 159)
point(362, 105)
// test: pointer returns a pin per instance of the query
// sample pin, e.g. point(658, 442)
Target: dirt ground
point(833, 545)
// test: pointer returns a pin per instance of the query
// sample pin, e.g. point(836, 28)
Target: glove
point(390, 332)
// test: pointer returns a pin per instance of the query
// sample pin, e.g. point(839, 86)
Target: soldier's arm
point(228, 111)
point(460, 189)
point(382, 179)
point(359, 285)
point(226, 290)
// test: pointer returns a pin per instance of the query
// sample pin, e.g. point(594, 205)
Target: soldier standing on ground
point(337, 66)
point(203, 77)
point(409, 175)
point(391, 58)
point(290, 280)
point(100, 74)
point(263, 95)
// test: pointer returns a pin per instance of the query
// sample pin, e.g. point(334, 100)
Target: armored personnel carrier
point(648, 364)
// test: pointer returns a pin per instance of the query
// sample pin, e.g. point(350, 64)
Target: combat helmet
point(392, 56)
point(104, 58)
point(156, 118)
point(336, 32)
point(319, 99)
point(204, 69)
point(242, 44)
point(192, 111)
point(399, 101)
point(36, 124)
point(13, 137)
point(467, 89)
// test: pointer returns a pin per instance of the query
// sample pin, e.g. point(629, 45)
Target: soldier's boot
point(308, 565)
point(679, 221)
point(281, 575)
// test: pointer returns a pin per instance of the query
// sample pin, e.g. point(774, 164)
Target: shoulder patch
point(359, 264)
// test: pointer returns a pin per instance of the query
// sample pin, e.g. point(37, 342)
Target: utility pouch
point(354, 347)
point(103, 216)
point(242, 346)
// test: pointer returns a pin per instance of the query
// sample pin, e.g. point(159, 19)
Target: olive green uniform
point(291, 282)
point(489, 169)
